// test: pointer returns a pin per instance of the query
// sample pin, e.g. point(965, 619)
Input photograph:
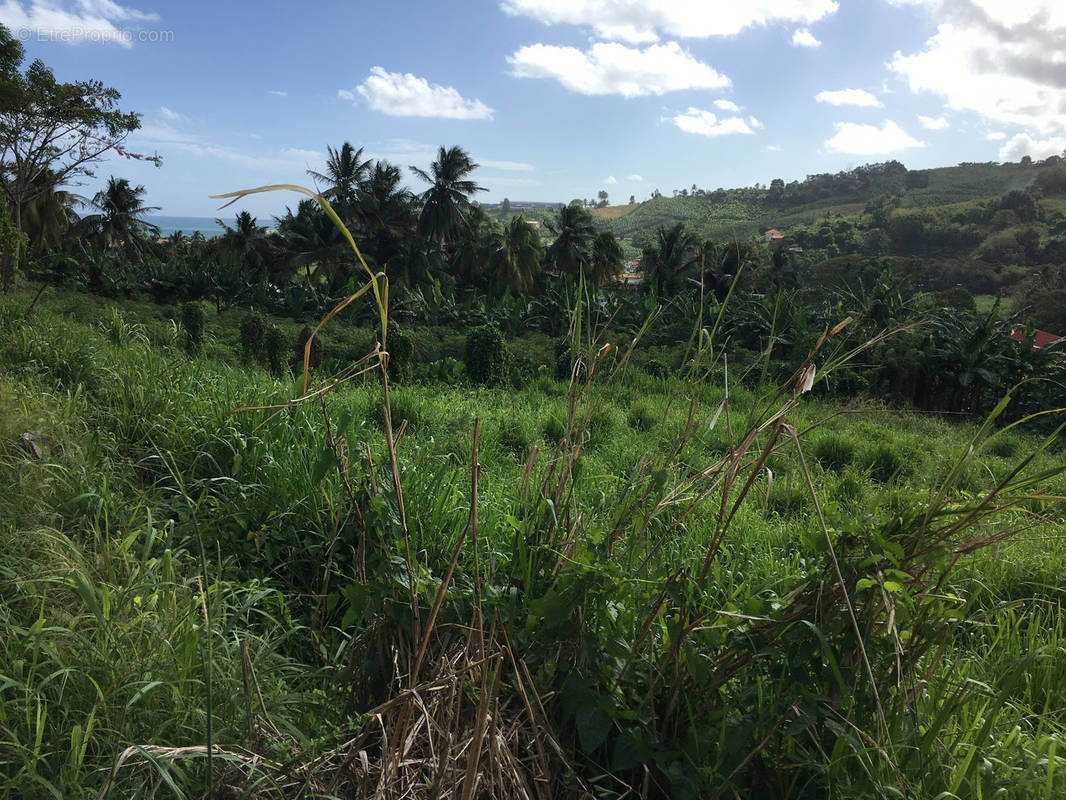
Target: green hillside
point(746, 211)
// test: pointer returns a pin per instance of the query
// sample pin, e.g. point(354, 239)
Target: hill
point(746, 211)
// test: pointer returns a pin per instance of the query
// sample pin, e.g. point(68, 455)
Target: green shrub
point(408, 403)
point(956, 297)
point(605, 422)
point(554, 429)
point(886, 462)
point(1003, 446)
point(486, 354)
point(400, 347)
point(833, 451)
point(276, 345)
point(643, 416)
point(252, 335)
point(521, 368)
point(193, 324)
point(784, 500)
point(516, 434)
point(315, 356)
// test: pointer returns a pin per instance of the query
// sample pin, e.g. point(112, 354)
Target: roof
point(1041, 339)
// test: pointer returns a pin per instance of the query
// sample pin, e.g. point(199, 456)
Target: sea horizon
point(169, 225)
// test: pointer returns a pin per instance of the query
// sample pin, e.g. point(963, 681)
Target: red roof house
point(1041, 339)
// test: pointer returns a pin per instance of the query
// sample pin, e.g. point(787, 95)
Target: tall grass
point(623, 585)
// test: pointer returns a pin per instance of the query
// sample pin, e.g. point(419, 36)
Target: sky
point(557, 99)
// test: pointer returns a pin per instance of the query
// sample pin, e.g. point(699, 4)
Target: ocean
point(187, 225)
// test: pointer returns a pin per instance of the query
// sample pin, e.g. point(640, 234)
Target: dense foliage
point(778, 515)
point(251, 569)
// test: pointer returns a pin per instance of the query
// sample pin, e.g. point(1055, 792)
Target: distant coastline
point(187, 225)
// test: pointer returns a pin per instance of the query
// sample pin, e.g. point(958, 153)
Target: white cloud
point(297, 152)
point(401, 94)
point(773, 148)
point(509, 166)
point(933, 123)
point(755, 123)
point(804, 38)
point(1023, 144)
point(705, 123)
point(610, 180)
point(611, 68)
point(868, 140)
point(277, 93)
point(726, 105)
point(170, 114)
point(996, 136)
point(635, 178)
point(637, 22)
point(169, 138)
point(73, 22)
point(1002, 59)
point(403, 151)
point(849, 97)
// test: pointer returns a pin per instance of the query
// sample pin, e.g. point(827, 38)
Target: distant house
point(795, 248)
point(773, 236)
point(1041, 339)
point(629, 280)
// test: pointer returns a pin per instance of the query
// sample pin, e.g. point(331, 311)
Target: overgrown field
point(629, 585)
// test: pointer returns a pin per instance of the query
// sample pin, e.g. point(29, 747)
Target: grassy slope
point(145, 464)
point(613, 212)
point(947, 185)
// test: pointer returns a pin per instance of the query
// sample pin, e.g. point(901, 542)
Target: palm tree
point(607, 259)
point(574, 235)
point(387, 215)
point(48, 218)
point(312, 243)
point(345, 172)
point(117, 227)
point(247, 245)
point(473, 246)
point(670, 259)
point(720, 262)
point(446, 202)
point(516, 255)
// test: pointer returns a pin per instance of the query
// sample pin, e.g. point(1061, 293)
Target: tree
point(311, 243)
point(603, 198)
point(670, 259)
point(516, 255)
point(48, 218)
point(50, 128)
point(345, 172)
point(117, 227)
point(632, 199)
point(446, 202)
point(387, 213)
point(574, 233)
point(776, 192)
point(471, 248)
point(607, 259)
point(247, 244)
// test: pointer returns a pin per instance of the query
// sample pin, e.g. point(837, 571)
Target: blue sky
point(558, 99)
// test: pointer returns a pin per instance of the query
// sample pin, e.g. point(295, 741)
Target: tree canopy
point(50, 128)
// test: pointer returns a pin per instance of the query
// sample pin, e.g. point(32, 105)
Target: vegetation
point(422, 505)
point(598, 582)
point(36, 113)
